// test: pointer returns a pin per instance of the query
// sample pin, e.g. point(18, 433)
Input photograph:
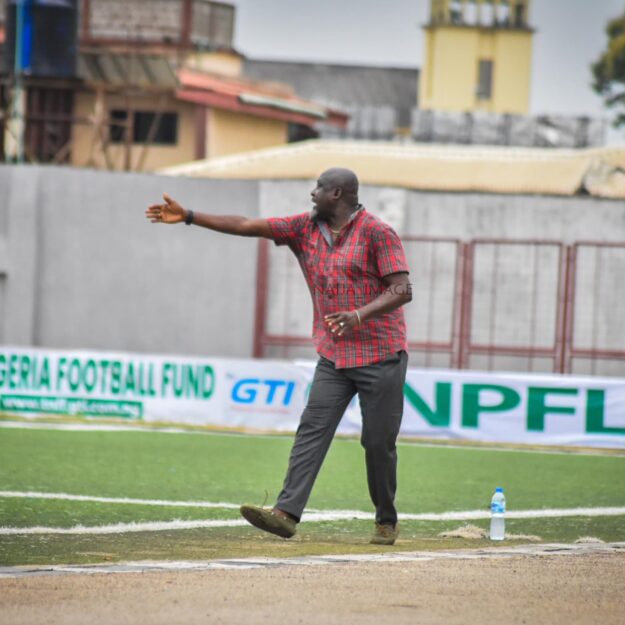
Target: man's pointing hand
point(168, 213)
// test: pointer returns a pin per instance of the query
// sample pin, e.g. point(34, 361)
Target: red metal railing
point(550, 280)
point(612, 315)
point(429, 346)
point(469, 347)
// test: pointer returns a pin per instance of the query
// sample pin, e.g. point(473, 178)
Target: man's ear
point(337, 192)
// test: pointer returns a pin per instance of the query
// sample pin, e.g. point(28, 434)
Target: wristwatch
point(189, 218)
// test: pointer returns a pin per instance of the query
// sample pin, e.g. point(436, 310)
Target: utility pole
point(22, 60)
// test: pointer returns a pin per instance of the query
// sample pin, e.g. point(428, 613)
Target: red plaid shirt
point(344, 275)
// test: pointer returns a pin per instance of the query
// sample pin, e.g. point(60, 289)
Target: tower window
point(503, 13)
point(470, 12)
point(519, 14)
point(487, 13)
point(455, 11)
point(485, 80)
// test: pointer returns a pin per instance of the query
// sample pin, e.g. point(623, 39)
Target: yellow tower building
point(478, 56)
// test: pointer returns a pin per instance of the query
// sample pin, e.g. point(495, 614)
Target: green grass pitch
point(202, 466)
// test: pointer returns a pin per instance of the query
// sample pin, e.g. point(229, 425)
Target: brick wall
point(212, 23)
point(152, 20)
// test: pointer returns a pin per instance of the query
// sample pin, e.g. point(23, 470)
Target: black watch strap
point(189, 218)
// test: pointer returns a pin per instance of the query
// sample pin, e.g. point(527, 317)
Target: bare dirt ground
point(549, 589)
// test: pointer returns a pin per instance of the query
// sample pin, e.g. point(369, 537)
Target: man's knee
point(378, 445)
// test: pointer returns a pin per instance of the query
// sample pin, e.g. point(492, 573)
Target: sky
point(569, 37)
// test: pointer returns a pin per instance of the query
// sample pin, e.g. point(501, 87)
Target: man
point(357, 274)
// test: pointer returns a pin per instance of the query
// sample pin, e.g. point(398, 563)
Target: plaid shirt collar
point(325, 229)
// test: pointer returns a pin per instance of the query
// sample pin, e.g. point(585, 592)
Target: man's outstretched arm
point(170, 212)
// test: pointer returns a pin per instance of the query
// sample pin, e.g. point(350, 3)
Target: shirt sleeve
point(389, 252)
point(288, 230)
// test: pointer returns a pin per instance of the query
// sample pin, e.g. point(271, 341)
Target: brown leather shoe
point(272, 521)
point(385, 534)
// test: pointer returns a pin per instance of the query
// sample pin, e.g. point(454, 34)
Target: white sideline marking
point(139, 427)
point(310, 515)
point(551, 550)
point(122, 500)
point(122, 528)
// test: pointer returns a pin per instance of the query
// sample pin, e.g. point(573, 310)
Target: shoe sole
point(265, 521)
point(381, 542)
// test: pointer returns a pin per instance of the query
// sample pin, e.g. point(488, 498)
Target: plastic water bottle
point(497, 515)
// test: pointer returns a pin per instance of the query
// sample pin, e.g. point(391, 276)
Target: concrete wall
point(474, 215)
point(469, 216)
point(81, 267)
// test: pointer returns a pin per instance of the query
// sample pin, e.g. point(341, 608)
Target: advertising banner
point(203, 391)
point(270, 395)
point(516, 407)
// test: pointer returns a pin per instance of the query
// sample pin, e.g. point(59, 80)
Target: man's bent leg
point(330, 394)
point(381, 392)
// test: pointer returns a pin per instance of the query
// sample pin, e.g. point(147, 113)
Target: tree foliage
point(609, 70)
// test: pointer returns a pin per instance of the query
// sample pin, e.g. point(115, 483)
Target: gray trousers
point(380, 389)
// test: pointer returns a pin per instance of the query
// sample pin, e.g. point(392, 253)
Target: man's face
point(324, 198)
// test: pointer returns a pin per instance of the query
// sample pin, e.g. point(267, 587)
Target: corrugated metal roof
point(344, 85)
point(282, 104)
point(127, 69)
point(599, 172)
point(238, 93)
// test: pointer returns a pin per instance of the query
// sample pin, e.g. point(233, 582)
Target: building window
point(165, 131)
point(117, 131)
point(485, 80)
point(48, 129)
point(301, 132)
point(147, 127)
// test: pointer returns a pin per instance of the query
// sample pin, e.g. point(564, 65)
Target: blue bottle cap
point(499, 489)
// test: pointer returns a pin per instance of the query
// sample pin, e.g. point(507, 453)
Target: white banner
point(516, 407)
point(270, 395)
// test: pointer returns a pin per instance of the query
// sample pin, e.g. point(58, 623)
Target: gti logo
point(268, 392)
